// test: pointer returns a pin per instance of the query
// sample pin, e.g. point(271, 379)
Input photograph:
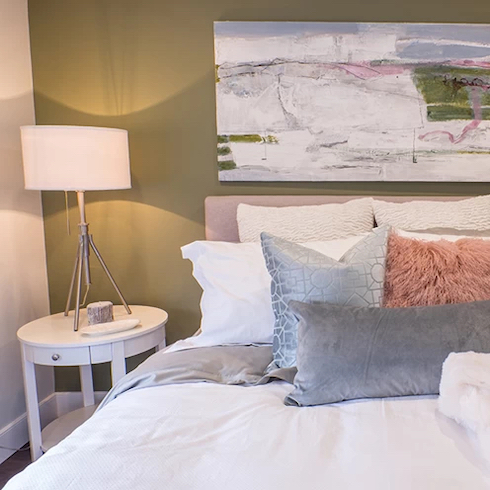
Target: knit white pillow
point(468, 217)
point(306, 223)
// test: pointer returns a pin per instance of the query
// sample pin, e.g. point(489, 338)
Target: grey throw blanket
point(231, 365)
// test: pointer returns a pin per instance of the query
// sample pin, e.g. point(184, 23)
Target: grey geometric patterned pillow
point(305, 275)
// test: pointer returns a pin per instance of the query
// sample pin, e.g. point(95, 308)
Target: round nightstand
point(51, 341)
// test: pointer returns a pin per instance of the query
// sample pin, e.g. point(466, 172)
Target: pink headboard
point(220, 211)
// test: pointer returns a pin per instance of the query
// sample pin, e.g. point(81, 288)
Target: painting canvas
point(307, 101)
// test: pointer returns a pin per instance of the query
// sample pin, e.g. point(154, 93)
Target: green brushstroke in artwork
point(245, 138)
point(271, 139)
point(448, 112)
point(475, 152)
point(226, 165)
point(446, 90)
point(223, 150)
point(432, 83)
point(216, 76)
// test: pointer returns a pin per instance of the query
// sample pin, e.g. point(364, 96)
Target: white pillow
point(236, 302)
point(469, 216)
point(306, 223)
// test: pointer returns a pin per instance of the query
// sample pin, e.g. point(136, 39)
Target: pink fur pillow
point(422, 273)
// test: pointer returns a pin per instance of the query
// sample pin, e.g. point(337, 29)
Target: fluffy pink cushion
point(432, 273)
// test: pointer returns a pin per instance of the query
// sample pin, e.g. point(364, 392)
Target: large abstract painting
point(352, 102)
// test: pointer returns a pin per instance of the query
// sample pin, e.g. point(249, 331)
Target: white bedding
point(211, 437)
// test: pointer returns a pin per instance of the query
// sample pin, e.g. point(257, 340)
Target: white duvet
point(210, 437)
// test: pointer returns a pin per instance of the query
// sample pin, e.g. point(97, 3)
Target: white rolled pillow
point(465, 217)
point(306, 223)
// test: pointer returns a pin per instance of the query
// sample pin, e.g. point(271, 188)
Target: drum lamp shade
point(75, 158)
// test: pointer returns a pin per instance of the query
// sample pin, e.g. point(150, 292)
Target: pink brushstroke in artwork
point(472, 63)
point(475, 94)
point(453, 139)
point(366, 71)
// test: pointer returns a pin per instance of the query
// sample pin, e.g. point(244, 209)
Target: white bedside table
point(51, 341)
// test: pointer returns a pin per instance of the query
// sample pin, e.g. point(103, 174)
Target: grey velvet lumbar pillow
point(299, 273)
point(346, 353)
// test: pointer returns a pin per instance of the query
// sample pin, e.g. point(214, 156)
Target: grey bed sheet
point(230, 365)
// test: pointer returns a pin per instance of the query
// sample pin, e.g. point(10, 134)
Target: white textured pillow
point(236, 302)
point(469, 216)
point(306, 223)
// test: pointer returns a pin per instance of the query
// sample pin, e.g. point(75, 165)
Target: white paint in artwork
point(381, 41)
point(291, 153)
point(330, 48)
point(338, 99)
point(372, 140)
point(257, 114)
point(354, 103)
point(409, 139)
point(439, 168)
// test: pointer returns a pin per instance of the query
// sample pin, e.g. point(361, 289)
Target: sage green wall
point(147, 66)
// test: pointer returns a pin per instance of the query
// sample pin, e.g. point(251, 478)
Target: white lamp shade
point(75, 158)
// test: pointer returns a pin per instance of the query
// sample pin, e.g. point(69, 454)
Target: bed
point(204, 416)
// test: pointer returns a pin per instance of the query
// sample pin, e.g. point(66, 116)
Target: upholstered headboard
point(220, 211)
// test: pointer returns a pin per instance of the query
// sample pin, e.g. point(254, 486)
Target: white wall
point(23, 281)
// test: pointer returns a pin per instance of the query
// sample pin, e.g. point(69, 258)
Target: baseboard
point(15, 434)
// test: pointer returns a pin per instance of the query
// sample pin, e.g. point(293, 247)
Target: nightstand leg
point(160, 346)
point(32, 405)
point(87, 382)
point(118, 365)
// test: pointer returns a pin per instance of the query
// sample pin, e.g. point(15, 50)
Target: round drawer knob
point(55, 357)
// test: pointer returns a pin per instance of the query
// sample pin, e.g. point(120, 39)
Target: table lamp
point(77, 158)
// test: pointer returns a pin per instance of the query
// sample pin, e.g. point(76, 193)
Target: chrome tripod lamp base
point(81, 271)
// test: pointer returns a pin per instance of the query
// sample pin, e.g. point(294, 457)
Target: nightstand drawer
point(72, 356)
